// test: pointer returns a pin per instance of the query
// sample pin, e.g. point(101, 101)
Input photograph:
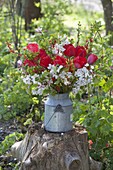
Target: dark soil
point(7, 162)
point(6, 128)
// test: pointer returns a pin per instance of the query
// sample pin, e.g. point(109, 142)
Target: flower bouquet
point(59, 68)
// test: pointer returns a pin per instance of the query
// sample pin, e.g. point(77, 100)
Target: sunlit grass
point(85, 17)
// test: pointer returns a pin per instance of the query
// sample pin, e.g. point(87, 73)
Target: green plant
point(9, 141)
point(5, 151)
point(53, 16)
point(12, 92)
point(94, 109)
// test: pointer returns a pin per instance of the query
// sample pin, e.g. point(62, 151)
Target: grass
point(85, 17)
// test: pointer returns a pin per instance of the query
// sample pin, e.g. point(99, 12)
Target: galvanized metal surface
point(58, 113)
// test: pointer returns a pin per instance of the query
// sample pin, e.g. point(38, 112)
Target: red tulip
point(29, 63)
point(80, 51)
point(79, 62)
point(45, 61)
point(92, 59)
point(42, 53)
point(33, 47)
point(69, 50)
point(60, 61)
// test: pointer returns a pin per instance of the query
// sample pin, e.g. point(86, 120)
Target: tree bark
point(28, 10)
point(41, 150)
point(108, 8)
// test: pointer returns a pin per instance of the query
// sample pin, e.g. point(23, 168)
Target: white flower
point(50, 66)
point(53, 71)
point(76, 89)
point(19, 63)
point(39, 30)
point(34, 92)
point(39, 89)
point(62, 74)
point(65, 76)
point(69, 74)
point(50, 82)
point(66, 82)
point(58, 48)
point(83, 72)
point(27, 79)
point(59, 68)
point(92, 67)
point(33, 78)
point(83, 81)
point(55, 76)
point(55, 51)
point(64, 40)
point(86, 65)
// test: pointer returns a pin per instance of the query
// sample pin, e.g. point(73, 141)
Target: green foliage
point(9, 141)
point(5, 150)
point(94, 109)
point(53, 16)
point(5, 33)
point(12, 90)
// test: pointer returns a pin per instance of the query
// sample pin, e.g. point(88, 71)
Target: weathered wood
point(41, 150)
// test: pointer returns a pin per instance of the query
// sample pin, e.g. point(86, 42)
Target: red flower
point(80, 51)
point(107, 145)
point(90, 142)
point(42, 53)
point(59, 60)
point(29, 63)
point(92, 59)
point(35, 59)
point(45, 61)
point(69, 50)
point(33, 47)
point(79, 61)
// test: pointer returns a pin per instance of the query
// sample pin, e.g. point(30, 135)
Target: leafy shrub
point(94, 109)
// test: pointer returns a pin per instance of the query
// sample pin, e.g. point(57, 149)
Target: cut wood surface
point(42, 150)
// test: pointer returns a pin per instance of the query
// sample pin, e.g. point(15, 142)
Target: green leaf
point(102, 82)
point(28, 122)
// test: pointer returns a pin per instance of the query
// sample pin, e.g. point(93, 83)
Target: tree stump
point(42, 150)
